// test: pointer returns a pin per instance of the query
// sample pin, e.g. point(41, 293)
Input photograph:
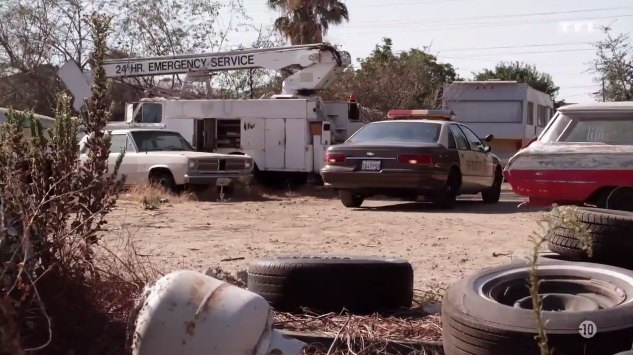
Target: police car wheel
point(447, 197)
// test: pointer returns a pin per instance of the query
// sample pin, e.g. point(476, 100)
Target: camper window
point(149, 112)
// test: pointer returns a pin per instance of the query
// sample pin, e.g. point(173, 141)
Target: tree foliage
point(53, 208)
point(242, 84)
point(307, 21)
point(386, 80)
point(38, 35)
point(523, 73)
point(614, 67)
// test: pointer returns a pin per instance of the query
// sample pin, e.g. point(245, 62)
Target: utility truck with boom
point(287, 135)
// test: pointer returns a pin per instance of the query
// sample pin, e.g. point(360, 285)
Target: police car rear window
point(421, 132)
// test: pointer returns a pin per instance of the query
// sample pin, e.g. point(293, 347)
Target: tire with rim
point(330, 283)
point(490, 312)
point(447, 197)
point(350, 198)
point(597, 234)
point(492, 194)
point(163, 179)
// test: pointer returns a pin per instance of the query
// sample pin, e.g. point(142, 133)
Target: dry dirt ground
point(442, 246)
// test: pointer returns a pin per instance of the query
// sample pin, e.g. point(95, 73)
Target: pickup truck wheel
point(350, 198)
point(163, 179)
point(491, 311)
point(362, 284)
point(492, 194)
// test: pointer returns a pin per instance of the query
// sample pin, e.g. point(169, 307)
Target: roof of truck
point(125, 130)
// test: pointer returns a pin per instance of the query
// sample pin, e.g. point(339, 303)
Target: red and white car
point(583, 156)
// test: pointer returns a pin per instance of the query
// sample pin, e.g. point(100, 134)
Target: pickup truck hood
point(193, 154)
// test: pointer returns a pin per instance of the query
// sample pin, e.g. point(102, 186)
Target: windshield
point(418, 132)
point(591, 128)
point(148, 141)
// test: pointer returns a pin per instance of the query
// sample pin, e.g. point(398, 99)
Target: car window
point(149, 112)
point(118, 143)
point(397, 131)
point(460, 138)
point(555, 129)
point(147, 141)
point(451, 140)
point(473, 140)
point(608, 131)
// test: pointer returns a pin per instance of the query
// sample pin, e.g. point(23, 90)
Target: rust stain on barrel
point(212, 299)
point(190, 327)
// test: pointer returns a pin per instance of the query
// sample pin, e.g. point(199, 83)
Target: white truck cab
point(164, 157)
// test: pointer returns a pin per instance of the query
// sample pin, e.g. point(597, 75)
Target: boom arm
point(315, 66)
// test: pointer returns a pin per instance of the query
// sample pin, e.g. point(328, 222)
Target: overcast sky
point(554, 35)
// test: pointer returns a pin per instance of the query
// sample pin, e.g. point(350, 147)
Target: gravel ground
point(442, 246)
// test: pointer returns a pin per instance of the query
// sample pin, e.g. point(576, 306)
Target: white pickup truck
point(165, 158)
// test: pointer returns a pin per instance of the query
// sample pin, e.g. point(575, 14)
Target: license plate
point(223, 182)
point(372, 165)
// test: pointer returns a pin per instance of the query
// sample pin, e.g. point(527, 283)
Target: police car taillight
point(334, 158)
point(415, 159)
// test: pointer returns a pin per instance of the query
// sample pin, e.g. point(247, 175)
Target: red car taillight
point(415, 159)
point(334, 158)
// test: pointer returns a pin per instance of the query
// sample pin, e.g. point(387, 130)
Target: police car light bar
point(422, 114)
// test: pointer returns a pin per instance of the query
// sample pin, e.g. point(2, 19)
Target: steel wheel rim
point(558, 292)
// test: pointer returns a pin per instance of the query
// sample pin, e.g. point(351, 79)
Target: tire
point(488, 323)
point(447, 197)
point(329, 283)
point(620, 198)
point(163, 179)
point(606, 232)
point(351, 199)
point(493, 194)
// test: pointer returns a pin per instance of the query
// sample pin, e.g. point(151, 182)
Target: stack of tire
point(598, 235)
point(586, 306)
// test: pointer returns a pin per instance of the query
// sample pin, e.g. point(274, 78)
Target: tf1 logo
point(577, 27)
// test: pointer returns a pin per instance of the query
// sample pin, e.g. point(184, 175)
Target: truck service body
point(286, 133)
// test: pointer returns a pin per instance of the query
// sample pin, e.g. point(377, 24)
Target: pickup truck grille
point(221, 165)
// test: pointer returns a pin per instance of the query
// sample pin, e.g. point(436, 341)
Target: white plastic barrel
point(186, 312)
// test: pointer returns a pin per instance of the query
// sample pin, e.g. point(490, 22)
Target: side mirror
point(489, 138)
point(487, 149)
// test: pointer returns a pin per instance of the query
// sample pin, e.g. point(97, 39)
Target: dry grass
point(129, 271)
point(375, 334)
point(355, 334)
point(372, 328)
point(152, 197)
point(382, 349)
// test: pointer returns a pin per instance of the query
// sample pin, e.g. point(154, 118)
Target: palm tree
point(306, 21)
